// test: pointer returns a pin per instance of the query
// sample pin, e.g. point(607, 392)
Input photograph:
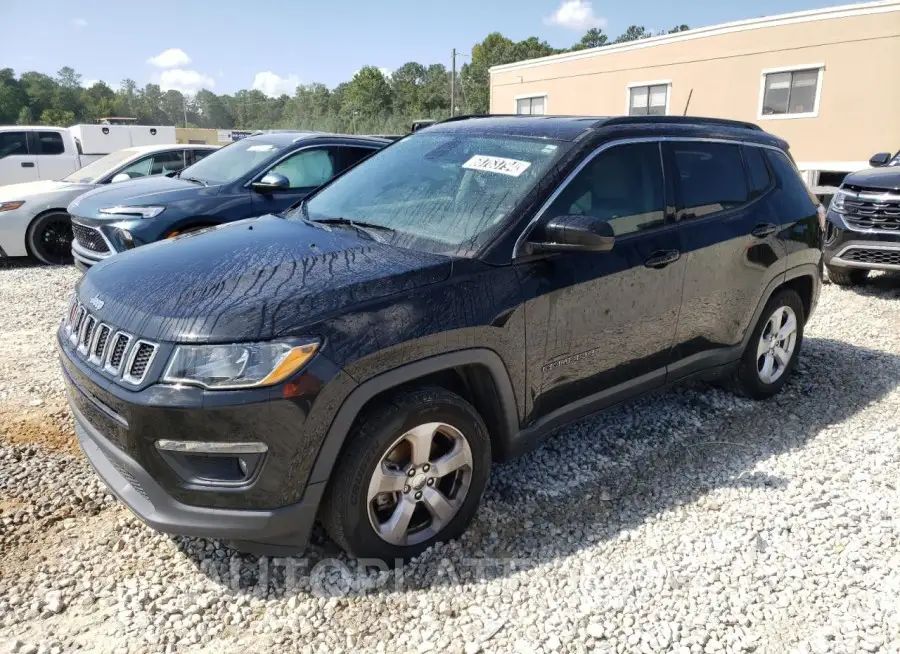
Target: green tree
point(173, 105)
point(57, 117)
point(633, 33)
point(25, 117)
point(213, 111)
point(593, 38)
point(367, 98)
point(406, 86)
point(41, 91)
point(99, 101)
point(679, 28)
point(12, 96)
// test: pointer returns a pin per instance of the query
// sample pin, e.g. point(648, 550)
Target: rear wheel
point(49, 238)
point(845, 277)
point(773, 348)
point(413, 475)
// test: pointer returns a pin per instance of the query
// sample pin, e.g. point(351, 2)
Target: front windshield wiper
point(192, 179)
point(359, 225)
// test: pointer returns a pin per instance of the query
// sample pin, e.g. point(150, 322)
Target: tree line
point(371, 102)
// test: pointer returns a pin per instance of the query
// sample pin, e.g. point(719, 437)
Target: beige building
point(827, 81)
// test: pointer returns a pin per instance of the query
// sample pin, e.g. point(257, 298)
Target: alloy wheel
point(776, 344)
point(420, 484)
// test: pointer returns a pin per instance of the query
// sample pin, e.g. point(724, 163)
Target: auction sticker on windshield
point(511, 167)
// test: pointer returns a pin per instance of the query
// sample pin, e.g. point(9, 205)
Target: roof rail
point(681, 120)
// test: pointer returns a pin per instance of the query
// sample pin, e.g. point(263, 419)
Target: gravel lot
point(691, 521)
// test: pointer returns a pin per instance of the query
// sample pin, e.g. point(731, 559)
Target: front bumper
point(251, 530)
point(848, 248)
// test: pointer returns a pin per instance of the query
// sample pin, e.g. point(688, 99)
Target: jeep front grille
point(115, 352)
point(872, 208)
point(89, 238)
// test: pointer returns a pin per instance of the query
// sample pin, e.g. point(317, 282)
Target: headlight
point(240, 365)
point(11, 206)
point(140, 212)
point(837, 202)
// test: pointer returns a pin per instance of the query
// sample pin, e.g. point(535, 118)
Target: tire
point(750, 378)
point(851, 277)
point(382, 441)
point(49, 238)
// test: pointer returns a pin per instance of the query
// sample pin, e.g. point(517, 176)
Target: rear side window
point(757, 170)
point(351, 156)
point(622, 185)
point(13, 143)
point(801, 200)
point(50, 143)
point(709, 177)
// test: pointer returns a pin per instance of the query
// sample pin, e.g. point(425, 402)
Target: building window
point(532, 106)
point(791, 93)
point(648, 100)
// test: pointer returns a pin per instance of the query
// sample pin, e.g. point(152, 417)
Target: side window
point(709, 177)
point(622, 185)
point(50, 143)
point(307, 168)
point(13, 143)
point(167, 162)
point(350, 156)
point(757, 170)
point(140, 168)
point(801, 200)
point(196, 155)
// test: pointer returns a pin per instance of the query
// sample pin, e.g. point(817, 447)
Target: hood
point(887, 178)
point(10, 192)
point(160, 190)
point(255, 279)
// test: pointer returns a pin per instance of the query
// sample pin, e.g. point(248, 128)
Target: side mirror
point(575, 234)
point(880, 159)
point(121, 177)
point(271, 182)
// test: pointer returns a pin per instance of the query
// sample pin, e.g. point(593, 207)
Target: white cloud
point(186, 81)
point(88, 83)
point(273, 85)
point(79, 22)
point(171, 58)
point(387, 72)
point(576, 15)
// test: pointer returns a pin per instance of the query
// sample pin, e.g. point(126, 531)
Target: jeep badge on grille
point(96, 302)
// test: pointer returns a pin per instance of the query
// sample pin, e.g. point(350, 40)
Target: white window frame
point(530, 96)
point(659, 82)
point(790, 69)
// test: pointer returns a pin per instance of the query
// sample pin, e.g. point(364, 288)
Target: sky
point(229, 45)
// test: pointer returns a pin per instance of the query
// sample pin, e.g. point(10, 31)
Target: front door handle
point(662, 258)
point(27, 164)
point(763, 230)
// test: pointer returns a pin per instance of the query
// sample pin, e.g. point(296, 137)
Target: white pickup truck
point(32, 153)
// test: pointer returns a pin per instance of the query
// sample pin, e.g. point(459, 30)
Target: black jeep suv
point(363, 358)
point(863, 228)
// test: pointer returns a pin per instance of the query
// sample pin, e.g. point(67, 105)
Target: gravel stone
point(691, 521)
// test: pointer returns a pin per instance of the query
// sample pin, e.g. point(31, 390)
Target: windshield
point(93, 172)
point(231, 162)
point(439, 192)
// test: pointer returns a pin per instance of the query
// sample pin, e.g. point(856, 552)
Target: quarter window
point(50, 143)
point(13, 143)
point(622, 185)
point(535, 106)
point(790, 92)
point(648, 100)
point(709, 178)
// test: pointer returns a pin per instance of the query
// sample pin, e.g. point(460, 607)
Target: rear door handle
point(27, 164)
point(764, 229)
point(662, 258)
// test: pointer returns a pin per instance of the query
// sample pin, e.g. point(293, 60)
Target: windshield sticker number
point(511, 167)
point(260, 148)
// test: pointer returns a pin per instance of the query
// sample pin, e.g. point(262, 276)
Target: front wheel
point(851, 277)
point(412, 476)
point(49, 238)
point(773, 349)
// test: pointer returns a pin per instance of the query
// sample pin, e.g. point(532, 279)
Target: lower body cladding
point(232, 467)
point(850, 249)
